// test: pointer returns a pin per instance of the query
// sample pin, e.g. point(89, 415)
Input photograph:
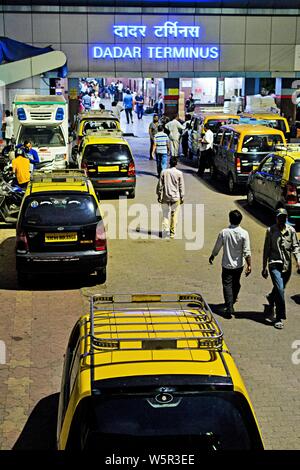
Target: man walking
point(161, 148)
point(236, 249)
point(175, 128)
point(206, 148)
point(153, 129)
point(170, 193)
point(280, 242)
point(128, 105)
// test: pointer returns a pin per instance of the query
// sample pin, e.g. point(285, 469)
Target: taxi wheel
point(101, 276)
point(250, 198)
point(23, 278)
point(131, 194)
point(213, 172)
point(231, 184)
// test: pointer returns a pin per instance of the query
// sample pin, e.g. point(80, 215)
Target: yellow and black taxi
point(108, 161)
point(60, 227)
point(268, 119)
point(95, 120)
point(152, 371)
point(276, 182)
point(213, 121)
point(239, 149)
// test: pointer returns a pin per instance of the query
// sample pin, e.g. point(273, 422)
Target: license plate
point(61, 237)
point(108, 168)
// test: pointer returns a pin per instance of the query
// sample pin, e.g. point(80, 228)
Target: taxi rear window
point(214, 420)
point(215, 124)
point(55, 210)
point(260, 143)
point(99, 125)
point(295, 172)
point(106, 152)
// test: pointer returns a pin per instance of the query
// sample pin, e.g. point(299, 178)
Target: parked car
point(214, 121)
point(276, 182)
point(272, 120)
point(152, 371)
point(240, 148)
point(108, 161)
point(60, 227)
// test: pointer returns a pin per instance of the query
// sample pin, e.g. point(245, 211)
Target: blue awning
point(11, 51)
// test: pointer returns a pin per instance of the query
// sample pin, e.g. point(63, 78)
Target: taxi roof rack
point(59, 176)
point(290, 147)
point(113, 327)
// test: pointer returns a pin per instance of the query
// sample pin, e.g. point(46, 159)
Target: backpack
point(155, 107)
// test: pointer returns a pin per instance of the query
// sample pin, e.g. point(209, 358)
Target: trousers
point(231, 285)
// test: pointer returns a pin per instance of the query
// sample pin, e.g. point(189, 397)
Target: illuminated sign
point(168, 30)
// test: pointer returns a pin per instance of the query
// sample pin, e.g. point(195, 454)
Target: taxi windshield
point(60, 209)
point(260, 143)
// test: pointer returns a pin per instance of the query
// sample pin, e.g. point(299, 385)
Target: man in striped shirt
point(161, 148)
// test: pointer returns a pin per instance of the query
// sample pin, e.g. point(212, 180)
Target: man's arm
point(296, 248)
point(266, 253)
point(217, 248)
point(247, 254)
point(181, 188)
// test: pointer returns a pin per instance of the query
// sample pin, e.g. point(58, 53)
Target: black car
point(60, 229)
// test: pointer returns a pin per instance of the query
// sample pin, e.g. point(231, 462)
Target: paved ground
point(35, 324)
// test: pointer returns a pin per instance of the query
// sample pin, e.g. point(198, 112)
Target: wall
point(248, 44)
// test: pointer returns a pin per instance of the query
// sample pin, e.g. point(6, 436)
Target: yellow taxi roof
point(50, 186)
point(265, 115)
point(294, 155)
point(104, 139)
point(152, 340)
point(242, 128)
point(220, 116)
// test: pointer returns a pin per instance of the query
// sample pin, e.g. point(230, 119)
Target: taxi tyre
point(251, 201)
point(131, 194)
point(101, 276)
point(231, 184)
point(213, 172)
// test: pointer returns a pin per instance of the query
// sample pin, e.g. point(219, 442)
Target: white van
point(43, 119)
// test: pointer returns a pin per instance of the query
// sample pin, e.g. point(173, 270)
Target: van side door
point(263, 177)
point(227, 158)
point(274, 185)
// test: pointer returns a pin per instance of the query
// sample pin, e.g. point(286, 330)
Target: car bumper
point(293, 211)
point(87, 261)
point(242, 179)
point(113, 184)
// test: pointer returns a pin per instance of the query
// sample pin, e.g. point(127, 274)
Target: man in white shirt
point(206, 150)
point(236, 249)
point(175, 128)
point(170, 193)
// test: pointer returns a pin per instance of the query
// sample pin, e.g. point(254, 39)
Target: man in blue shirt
point(128, 104)
point(161, 147)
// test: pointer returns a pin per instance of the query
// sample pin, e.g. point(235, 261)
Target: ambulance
point(43, 120)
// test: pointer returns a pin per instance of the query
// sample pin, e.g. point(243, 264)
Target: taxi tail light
point(291, 194)
point(100, 240)
point(131, 169)
point(238, 164)
point(22, 242)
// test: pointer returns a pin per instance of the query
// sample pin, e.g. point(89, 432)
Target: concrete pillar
point(171, 96)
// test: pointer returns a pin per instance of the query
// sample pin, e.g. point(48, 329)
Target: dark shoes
point(228, 312)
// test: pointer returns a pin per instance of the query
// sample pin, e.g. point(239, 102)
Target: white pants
point(174, 147)
point(170, 224)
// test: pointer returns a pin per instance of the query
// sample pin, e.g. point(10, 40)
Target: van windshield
point(208, 421)
point(260, 143)
point(295, 172)
point(43, 136)
point(60, 209)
